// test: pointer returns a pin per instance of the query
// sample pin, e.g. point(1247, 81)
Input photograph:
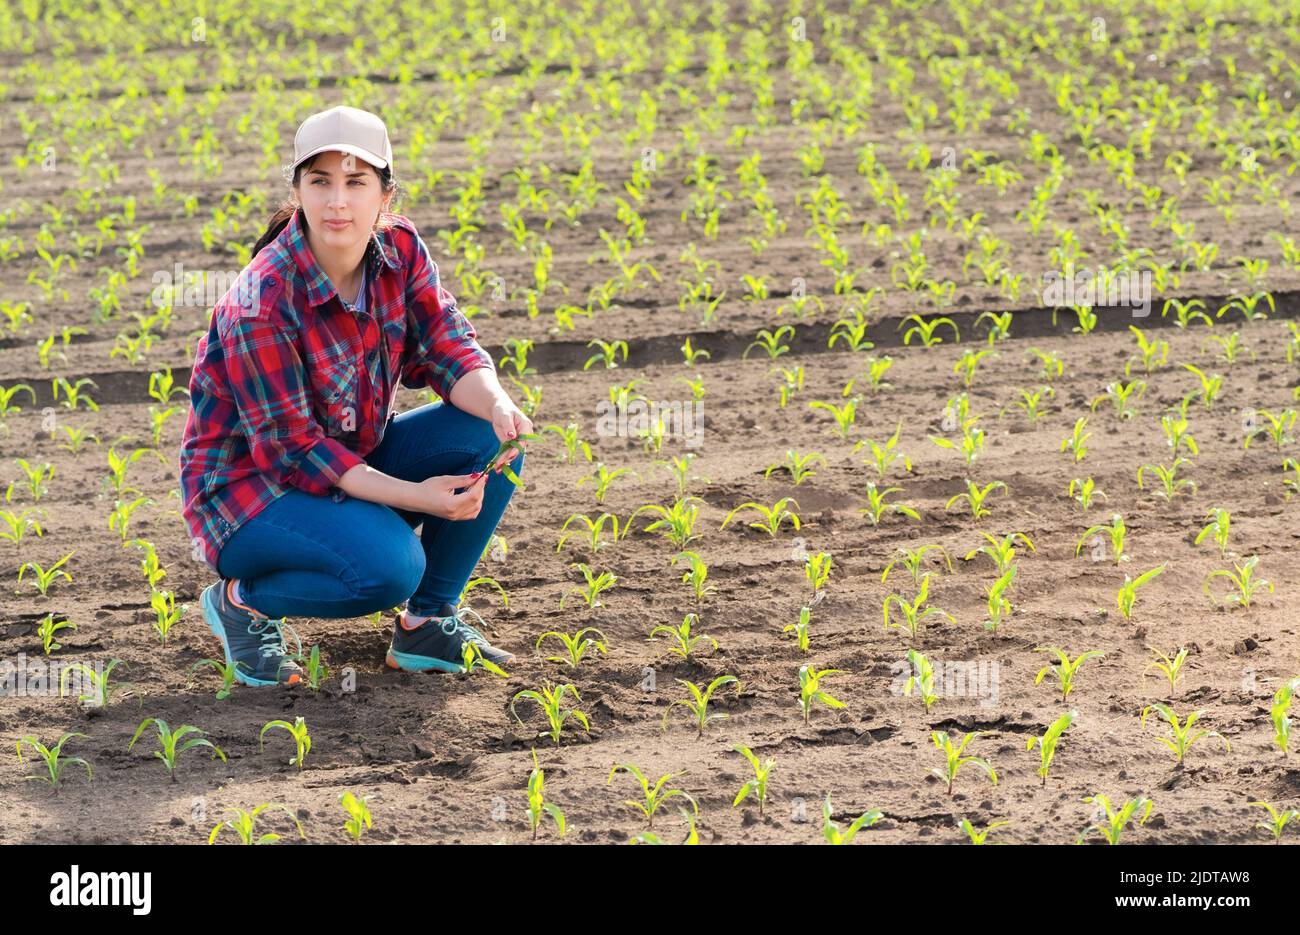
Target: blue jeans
point(310, 556)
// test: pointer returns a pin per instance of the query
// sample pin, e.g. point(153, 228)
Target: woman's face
point(342, 197)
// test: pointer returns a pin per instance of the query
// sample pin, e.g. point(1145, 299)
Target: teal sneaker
point(437, 644)
point(253, 643)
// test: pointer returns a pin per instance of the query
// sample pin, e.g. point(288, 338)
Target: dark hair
point(387, 182)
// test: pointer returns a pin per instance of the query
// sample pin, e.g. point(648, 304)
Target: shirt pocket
point(335, 385)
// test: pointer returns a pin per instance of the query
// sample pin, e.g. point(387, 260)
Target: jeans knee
point(397, 573)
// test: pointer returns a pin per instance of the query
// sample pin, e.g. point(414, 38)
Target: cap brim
point(357, 151)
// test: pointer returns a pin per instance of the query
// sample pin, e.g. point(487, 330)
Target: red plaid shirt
point(292, 388)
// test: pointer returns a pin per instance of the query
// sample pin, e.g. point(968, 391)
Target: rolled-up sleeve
point(441, 345)
point(268, 384)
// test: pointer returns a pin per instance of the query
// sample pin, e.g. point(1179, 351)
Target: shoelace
point(272, 633)
point(456, 624)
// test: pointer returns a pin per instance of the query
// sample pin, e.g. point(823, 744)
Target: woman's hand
point(509, 422)
point(437, 496)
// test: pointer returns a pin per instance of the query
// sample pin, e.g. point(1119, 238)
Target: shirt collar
point(319, 288)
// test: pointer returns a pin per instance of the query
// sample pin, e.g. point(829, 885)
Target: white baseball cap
point(346, 129)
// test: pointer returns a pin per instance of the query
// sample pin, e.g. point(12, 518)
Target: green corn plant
point(1230, 347)
point(874, 375)
point(1048, 742)
point(608, 353)
point(692, 836)
point(166, 613)
point(914, 613)
point(1116, 821)
point(102, 689)
point(817, 571)
point(798, 465)
point(697, 577)
point(594, 530)
point(315, 669)
point(223, 669)
point(979, 837)
point(953, 759)
point(17, 525)
point(1243, 581)
point(551, 700)
point(120, 517)
point(680, 468)
point(1127, 593)
point(472, 658)
point(1290, 484)
point(593, 587)
point(42, 578)
point(1211, 386)
point(568, 436)
point(770, 342)
point(691, 355)
point(149, 565)
point(244, 825)
point(1170, 483)
point(1031, 403)
point(537, 804)
point(975, 496)
point(168, 739)
point(844, 416)
point(682, 638)
point(297, 730)
point(358, 811)
point(698, 701)
point(72, 394)
point(575, 645)
point(772, 517)
point(676, 522)
point(1077, 443)
point(1175, 429)
point(1220, 524)
point(967, 364)
point(921, 679)
point(810, 691)
point(883, 456)
point(834, 834)
point(47, 629)
point(601, 478)
point(757, 787)
point(999, 607)
point(1185, 312)
point(651, 798)
point(1116, 531)
point(1120, 395)
point(1279, 716)
point(1153, 353)
point(1051, 367)
point(1247, 305)
point(911, 560)
point(1184, 736)
point(925, 331)
point(801, 628)
point(37, 477)
point(1171, 669)
point(999, 325)
point(1001, 551)
point(1083, 491)
point(1278, 428)
point(877, 507)
point(53, 758)
point(1277, 820)
point(792, 382)
point(1065, 668)
point(972, 441)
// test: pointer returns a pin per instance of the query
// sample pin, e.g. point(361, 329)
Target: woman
point(301, 487)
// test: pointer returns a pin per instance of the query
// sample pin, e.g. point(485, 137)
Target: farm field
point(829, 238)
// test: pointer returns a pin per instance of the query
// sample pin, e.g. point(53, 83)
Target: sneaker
point(252, 642)
point(437, 644)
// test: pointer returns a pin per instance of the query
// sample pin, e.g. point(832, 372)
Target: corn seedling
point(594, 530)
point(575, 646)
point(297, 730)
point(772, 517)
point(1220, 524)
point(358, 812)
point(1184, 737)
point(593, 587)
point(1277, 820)
point(770, 342)
point(1278, 713)
point(834, 834)
point(1175, 429)
point(925, 331)
point(1185, 312)
point(1083, 491)
point(1116, 531)
point(817, 571)
point(1127, 593)
point(1116, 821)
point(757, 787)
point(1278, 427)
point(999, 607)
point(1077, 443)
point(676, 522)
point(1031, 403)
point(912, 614)
point(537, 804)
point(1171, 669)
point(953, 759)
point(1048, 742)
point(102, 689)
point(1170, 483)
point(801, 628)
point(1153, 353)
point(1120, 395)
point(168, 739)
point(1065, 669)
point(798, 465)
point(43, 578)
point(921, 679)
point(244, 825)
point(967, 364)
point(980, 837)
point(911, 559)
point(883, 456)
point(698, 702)
point(1211, 386)
point(972, 441)
point(844, 416)
point(53, 758)
point(48, 628)
point(651, 798)
point(682, 638)
point(876, 506)
point(1243, 581)
point(975, 496)
point(223, 669)
point(1001, 551)
point(551, 700)
point(601, 478)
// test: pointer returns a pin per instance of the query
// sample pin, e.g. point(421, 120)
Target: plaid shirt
point(292, 388)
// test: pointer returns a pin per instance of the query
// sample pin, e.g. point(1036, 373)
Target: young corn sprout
point(1278, 428)
point(698, 702)
point(834, 834)
point(972, 441)
point(1210, 388)
point(697, 577)
point(975, 496)
point(1220, 524)
point(810, 690)
point(594, 530)
point(953, 759)
point(817, 571)
point(537, 804)
point(682, 639)
point(297, 730)
point(911, 559)
point(1001, 551)
point(358, 812)
point(967, 364)
point(914, 613)
point(53, 758)
point(1277, 820)
point(801, 628)
point(1083, 491)
point(1065, 669)
point(999, 607)
point(1077, 443)
point(1176, 431)
point(168, 740)
point(1031, 402)
point(692, 836)
point(925, 331)
point(1170, 483)
point(772, 518)
point(877, 507)
point(799, 466)
point(1116, 821)
point(575, 646)
point(551, 700)
point(102, 690)
point(1243, 580)
point(980, 837)
point(1117, 532)
point(1121, 395)
point(1184, 737)
point(844, 415)
point(244, 824)
point(651, 798)
point(1127, 593)
point(922, 678)
point(47, 629)
point(595, 585)
point(757, 787)
point(224, 669)
point(1278, 713)
point(1047, 743)
point(1171, 669)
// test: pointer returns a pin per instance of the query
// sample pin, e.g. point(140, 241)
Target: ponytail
point(278, 222)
